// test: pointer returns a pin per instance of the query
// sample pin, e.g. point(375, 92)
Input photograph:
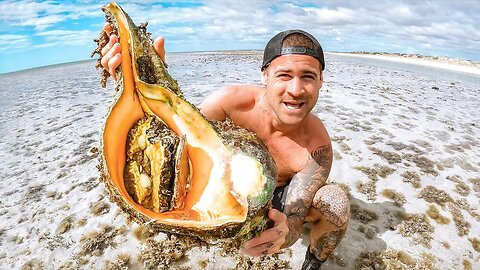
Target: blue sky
point(38, 33)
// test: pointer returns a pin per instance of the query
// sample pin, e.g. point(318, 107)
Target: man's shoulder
point(241, 95)
point(318, 133)
point(242, 89)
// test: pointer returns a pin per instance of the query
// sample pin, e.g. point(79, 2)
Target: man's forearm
point(295, 227)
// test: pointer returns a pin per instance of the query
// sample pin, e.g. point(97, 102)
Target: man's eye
point(283, 75)
point(309, 77)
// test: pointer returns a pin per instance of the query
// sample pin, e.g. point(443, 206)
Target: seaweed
point(34, 264)
point(369, 231)
point(203, 263)
point(368, 188)
point(338, 138)
point(412, 177)
point(143, 233)
point(34, 194)
point(163, 254)
point(433, 195)
point(463, 204)
point(475, 243)
point(373, 140)
point(433, 213)
point(54, 241)
point(397, 197)
point(426, 165)
point(463, 226)
point(391, 260)
point(397, 145)
point(461, 187)
point(95, 242)
point(344, 147)
point(99, 208)
point(81, 222)
point(65, 225)
point(476, 184)
point(121, 262)
point(363, 215)
point(370, 172)
point(445, 244)
point(377, 170)
point(390, 157)
point(418, 228)
point(268, 262)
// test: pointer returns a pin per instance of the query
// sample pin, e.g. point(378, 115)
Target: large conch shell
point(220, 177)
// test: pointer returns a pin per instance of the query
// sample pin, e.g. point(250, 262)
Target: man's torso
point(291, 151)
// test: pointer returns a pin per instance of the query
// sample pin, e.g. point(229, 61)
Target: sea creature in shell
point(168, 167)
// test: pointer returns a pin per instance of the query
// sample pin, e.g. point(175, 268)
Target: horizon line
point(252, 50)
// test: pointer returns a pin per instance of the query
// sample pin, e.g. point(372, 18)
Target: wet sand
point(406, 149)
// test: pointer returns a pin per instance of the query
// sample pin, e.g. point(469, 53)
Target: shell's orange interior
point(206, 200)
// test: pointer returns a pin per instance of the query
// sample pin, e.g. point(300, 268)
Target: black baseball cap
point(274, 48)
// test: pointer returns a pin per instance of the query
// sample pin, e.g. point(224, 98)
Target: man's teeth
point(293, 106)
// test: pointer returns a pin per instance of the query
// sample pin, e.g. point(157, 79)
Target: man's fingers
point(113, 63)
point(271, 240)
point(108, 29)
point(105, 61)
point(113, 40)
point(159, 46)
point(263, 249)
point(265, 237)
point(276, 216)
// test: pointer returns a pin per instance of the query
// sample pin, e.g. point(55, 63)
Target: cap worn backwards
point(275, 48)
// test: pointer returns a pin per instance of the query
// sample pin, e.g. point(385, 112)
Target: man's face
point(293, 83)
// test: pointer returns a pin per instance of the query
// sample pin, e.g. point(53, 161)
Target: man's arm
point(231, 101)
point(302, 189)
point(212, 106)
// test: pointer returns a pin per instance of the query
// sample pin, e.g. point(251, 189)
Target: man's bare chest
point(288, 156)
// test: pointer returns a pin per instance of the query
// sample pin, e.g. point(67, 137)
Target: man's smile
point(293, 105)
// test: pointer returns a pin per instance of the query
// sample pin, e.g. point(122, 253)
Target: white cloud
point(66, 37)
point(42, 15)
point(13, 42)
point(425, 26)
point(336, 16)
point(42, 23)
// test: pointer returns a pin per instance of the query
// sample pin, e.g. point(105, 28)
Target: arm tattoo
point(327, 243)
point(302, 189)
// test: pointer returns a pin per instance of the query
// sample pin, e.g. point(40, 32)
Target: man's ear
point(264, 76)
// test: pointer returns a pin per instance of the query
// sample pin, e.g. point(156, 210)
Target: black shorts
point(279, 197)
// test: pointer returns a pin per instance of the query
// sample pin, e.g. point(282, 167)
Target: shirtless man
point(279, 112)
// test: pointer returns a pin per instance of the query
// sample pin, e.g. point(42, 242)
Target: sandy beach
point(435, 62)
point(406, 148)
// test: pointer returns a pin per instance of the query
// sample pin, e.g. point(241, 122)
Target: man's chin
point(292, 121)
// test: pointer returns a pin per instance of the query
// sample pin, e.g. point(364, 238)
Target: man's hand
point(112, 56)
point(270, 241)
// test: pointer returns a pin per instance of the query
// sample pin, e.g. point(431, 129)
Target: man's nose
point(295, 87)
